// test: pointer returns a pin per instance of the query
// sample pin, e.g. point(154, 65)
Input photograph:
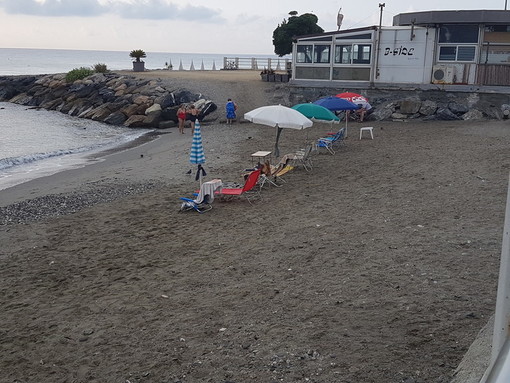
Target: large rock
point(491, 111)
point(410, 106)
point(156, 108)
point(166, 100)
point(99, 113)
point(107, 95)
point(167, 124)
point(458, 108)
point(8, 92)
point(398, 116)
point(382, 112)
point(22, 99)
point(135, 121)
point(51, 104)
point(153, 119)
point(446, 114)
point(185, 97)
point(80, 90)
point(170, 114)
point(428, 108)
point(141, 100)
point(473, 114)
point(133, 109)
point(115, 118)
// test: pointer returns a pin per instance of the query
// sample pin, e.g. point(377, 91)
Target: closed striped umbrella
point(196, 155)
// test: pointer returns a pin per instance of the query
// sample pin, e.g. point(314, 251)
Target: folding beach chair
point(270, 174)
point(329, 142)
point(204, 199)
point(249, 191)
point(302, 157)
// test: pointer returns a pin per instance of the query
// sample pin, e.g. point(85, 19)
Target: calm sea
point(36, 143)
point(44, 61)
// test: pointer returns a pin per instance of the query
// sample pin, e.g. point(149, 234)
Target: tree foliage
point(137, 54)
point(294, 26)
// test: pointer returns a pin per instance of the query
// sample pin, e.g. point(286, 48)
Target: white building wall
point(406, 55)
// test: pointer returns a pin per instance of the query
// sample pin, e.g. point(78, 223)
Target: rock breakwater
point(108, 98)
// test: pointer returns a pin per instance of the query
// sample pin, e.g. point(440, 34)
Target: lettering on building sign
point(401, 51)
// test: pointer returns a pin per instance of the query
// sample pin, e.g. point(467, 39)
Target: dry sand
point(379, 265)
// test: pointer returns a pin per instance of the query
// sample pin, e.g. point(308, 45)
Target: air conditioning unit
point(443, 74)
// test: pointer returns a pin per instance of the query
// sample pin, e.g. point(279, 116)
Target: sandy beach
point(380, 265)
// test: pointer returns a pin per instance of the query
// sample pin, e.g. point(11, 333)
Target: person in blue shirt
point(230, 109)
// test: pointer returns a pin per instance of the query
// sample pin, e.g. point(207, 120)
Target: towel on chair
point(206, 193)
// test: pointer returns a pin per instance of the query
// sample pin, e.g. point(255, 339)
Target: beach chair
point(302, 157)
point(190, 204)
point(270, 174)
point(329, 142)
point(249, 191)
point(281, 171)
point(204, 198)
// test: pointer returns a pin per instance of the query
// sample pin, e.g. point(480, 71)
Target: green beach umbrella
point(316, 112)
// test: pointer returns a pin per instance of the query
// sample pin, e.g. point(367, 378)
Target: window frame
point(456, 47)
point(356, 52)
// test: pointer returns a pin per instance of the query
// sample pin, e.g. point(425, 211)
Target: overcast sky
point(198, 26)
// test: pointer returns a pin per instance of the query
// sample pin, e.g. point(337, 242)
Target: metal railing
point(255, 63)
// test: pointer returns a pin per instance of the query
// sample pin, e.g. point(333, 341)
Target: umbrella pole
point(346, 120)
point(276, 150)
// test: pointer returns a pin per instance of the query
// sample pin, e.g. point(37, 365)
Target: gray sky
point(199, 26)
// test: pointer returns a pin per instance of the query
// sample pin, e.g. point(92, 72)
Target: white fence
point(233, 63)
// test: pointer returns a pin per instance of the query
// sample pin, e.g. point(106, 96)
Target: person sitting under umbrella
point(362, 112)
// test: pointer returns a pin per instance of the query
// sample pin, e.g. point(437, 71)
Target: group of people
point(190, 113)
point(187, 113)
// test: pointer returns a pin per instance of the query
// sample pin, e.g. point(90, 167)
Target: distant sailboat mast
point(339, 18)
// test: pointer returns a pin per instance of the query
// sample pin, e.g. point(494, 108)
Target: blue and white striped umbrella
point(196, 155)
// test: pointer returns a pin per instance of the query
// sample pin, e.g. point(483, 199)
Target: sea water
point(36, 143)
point(46, 61)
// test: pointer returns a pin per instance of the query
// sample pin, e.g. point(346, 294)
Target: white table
point(261, 156)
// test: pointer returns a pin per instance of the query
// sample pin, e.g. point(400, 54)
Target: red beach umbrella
point(355, 98)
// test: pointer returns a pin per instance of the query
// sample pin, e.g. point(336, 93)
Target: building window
point(457, 53)
point(458, 34)
point(343, 54)
point(361, 54)
point(353, 54)
point(495, 54)
point(304, 53)
point(321, 54)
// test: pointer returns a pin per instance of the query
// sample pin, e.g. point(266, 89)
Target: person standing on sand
point(181, 117)
point(230, 109)
point(192, 116)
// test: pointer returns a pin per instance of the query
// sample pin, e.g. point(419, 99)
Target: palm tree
point(137, 54)
point(138, 65)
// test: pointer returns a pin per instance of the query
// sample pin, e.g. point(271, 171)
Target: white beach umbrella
point(278, 116)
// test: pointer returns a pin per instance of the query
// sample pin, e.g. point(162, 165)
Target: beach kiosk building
point(469, 47)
